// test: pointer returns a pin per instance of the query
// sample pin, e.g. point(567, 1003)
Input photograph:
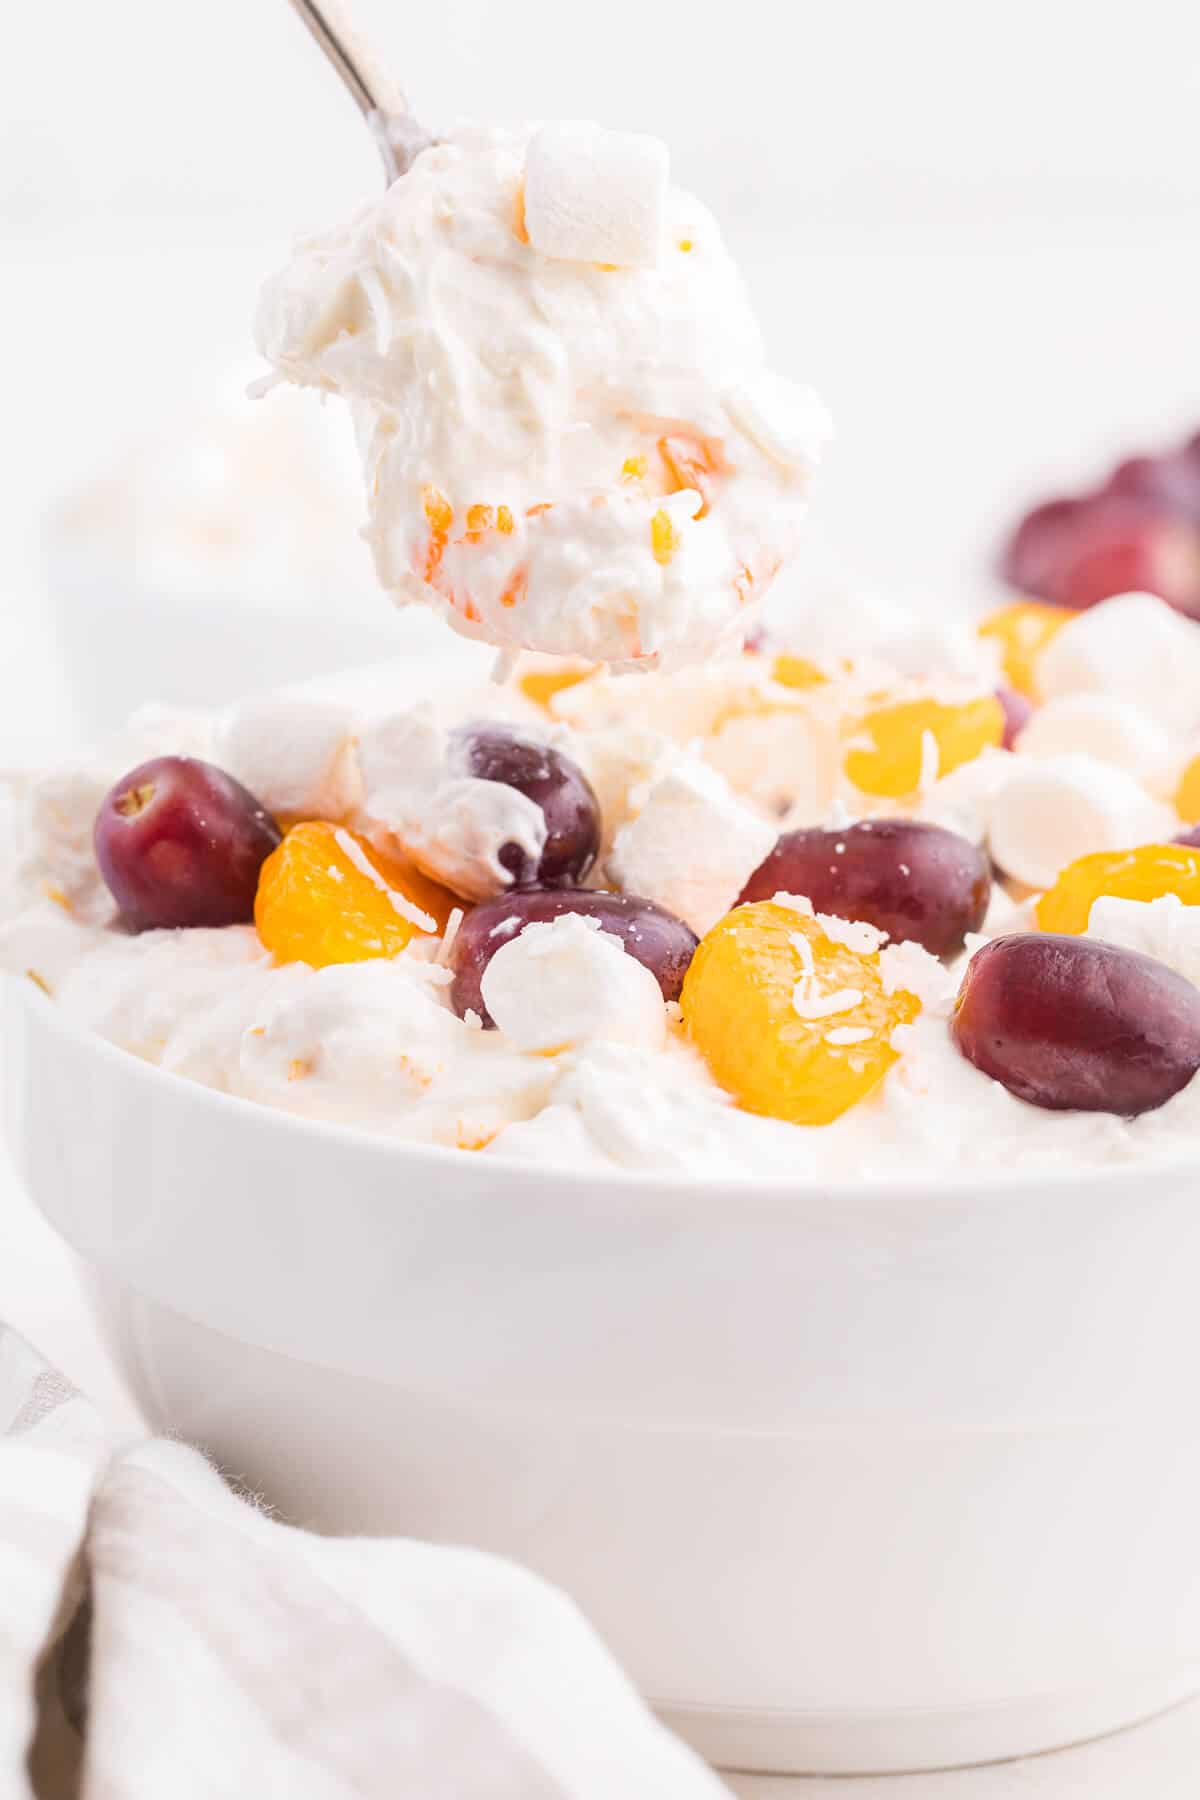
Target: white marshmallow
point(1113, 731)
point(419, 796)
point(567, 983)
point(962, 800)
point(1133, 647)
point(1165, 929)
point(596, 196)
point(788, 422)
point(1056, 808)
point(692, 847)
point(296, 755)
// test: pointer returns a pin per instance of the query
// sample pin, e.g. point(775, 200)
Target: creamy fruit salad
point(786, 914)
point(572, 442)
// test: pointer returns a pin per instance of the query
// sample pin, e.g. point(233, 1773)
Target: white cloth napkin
point(161, 1637)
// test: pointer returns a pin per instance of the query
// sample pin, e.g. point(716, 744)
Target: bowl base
point(920, 1741)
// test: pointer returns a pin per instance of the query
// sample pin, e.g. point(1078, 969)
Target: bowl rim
point(417, 1153)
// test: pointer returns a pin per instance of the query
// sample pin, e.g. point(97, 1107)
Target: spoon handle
point(380, 100)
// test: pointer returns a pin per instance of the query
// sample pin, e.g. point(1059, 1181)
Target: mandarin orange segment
point(797, 672)
point(1022, 630)
point(899, 743)
point(327, 895)
point(1187, 794)
point(793, 1025)
point(1146, 873)
point(541, 685)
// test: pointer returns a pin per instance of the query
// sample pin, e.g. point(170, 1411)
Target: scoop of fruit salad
point(571, 440)
point(789, 927)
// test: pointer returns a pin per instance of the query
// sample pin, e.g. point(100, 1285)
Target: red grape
point(663, 943)
point(1068, 1023)
point(555, 784)
point(1173, 480)
point(179, 843)
point(918, 882)
point(1078, 552)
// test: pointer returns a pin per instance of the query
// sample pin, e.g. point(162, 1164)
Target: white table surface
point(1057, 312)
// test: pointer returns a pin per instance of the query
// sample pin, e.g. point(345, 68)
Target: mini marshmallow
point(295, 755)
point(1112, 731)
point(1054, 809)
point(693, 846)
point(788, 422)
point(596, 196)
point(962, 801)
point(1164, 928)
point(1133, 647)
point(567, 983)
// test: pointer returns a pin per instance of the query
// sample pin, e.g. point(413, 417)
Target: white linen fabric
point(161, 1636)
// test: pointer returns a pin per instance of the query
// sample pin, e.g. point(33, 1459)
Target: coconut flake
point(354, 854)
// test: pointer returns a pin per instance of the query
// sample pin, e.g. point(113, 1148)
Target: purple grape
point(179, 843)
point(663, 943)
point(1172, 479)
point(1191, 837)
point(918, 882)
point(1017, 713)
point(1068, 1023)
point(553, 782)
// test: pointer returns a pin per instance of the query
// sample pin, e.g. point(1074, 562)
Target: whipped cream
point(693, 846)
point(562, 453)
point(588, 1068)
point(1164, 928)
point(419, 794)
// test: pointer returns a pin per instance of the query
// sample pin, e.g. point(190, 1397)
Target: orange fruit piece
point(541, 685)
point(1187, 794)
point(1146, 873)
point(790, 1023)
point(327, 895)
point(1023, 629)
point(891, 760)
point(797, 672)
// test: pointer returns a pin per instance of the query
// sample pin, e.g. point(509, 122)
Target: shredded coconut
point(354, 854)
point(810, 1003)
point(848, 1034)
point(852, 934)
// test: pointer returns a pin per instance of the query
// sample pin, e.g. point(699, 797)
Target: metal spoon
point(381, 101)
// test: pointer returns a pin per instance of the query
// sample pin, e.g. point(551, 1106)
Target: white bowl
point(853, 1478)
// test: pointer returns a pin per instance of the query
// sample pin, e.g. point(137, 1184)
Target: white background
point(975, 229)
